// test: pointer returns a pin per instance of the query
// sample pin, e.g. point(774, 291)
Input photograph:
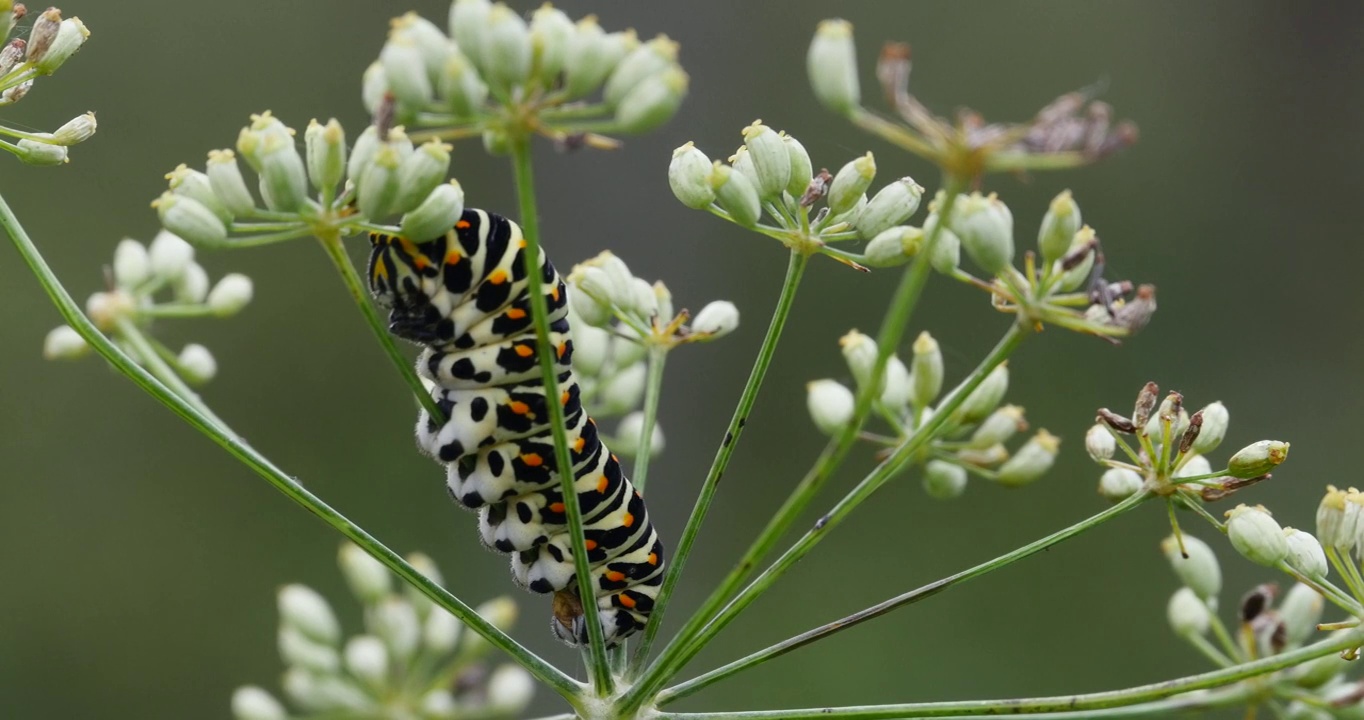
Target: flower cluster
point(494, 73)
point(771, 173)
point(972, 441)
point(1071, 130)
point(353, 188)
point(414, 660)
point(152, 282)
point(51, 42)
point(618, 320)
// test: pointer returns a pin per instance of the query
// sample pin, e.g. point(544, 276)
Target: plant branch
point(653, 389)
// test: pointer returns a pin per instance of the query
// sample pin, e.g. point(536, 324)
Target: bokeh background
point(138, 563)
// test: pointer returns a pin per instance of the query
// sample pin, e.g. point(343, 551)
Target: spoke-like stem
point(795, 269)
point(691, 686)
point(336, 250)
point(653, 389)
point(153, 361)
point(1063, 706)
point(598, 663)
point(283, 482)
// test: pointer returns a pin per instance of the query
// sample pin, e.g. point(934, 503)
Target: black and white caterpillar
point(465, 297)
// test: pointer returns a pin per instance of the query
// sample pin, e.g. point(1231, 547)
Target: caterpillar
point(464, 296)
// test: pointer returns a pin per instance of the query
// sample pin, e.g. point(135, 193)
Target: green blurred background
point(140, 562)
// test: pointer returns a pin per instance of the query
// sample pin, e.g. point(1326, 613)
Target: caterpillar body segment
point(464, 296)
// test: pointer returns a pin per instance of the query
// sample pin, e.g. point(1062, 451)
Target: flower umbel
point(51, 41)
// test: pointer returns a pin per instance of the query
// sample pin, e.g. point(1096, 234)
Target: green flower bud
point(897, 386)
point(378, 187)
point(197, 364)
point(510, 689)
point(132, 266)
point(771, 159)
point(436, 214)
point(315, 691)
point(405, 71)
point(850, 183)
point(592, 55)
point(64, 343)
point(70, 36)
point(196, 186)
point(395, 621)
point(926, 370)
point(1257, 458)
point(461, 86)
point(1076, 277)
point(1099, 443)
point(1198, 571)
point(653, 101)
point(1301, 611)
point(1305, 554)
point(169, 255)
point(420, 173)
point(469, 28)
point(591, 348)
point(590, 299)
point(893, 246)
point(716, 319)
point(1188, 615)
point(299, 650)
point(735, 194)
point(986, 229)
point(373, 87)
point(303, 608)
point(663, 299)
point(7, 19)
point(998, 427)
point(252, 140)
point(506, 47)
point(1255, 534)
point(860, 351)
point(42, 154)
point(894, 204)
point(944, 480)
point(630, 431)
point(847, 220)
point(189, 219)
point(1031, 461)
point(326, 148)
point(76, 130)
point(496, 142)
point(441, 630)
point(368, 579)
point(641, 302)
point(1214, 428)
point(986, 396)
point(624, 391)
point(367, 659)
point(430, 41)
point(192, 285)
point(252, 703)
point(550, 30)
point(945, 255)
point(1058, 229)
point(830, 405)
point(801, 169)
point(832, 65)
point(1332, 527)
point(688, 176)
point(283, 179)
point(225, 177)
point(641, 63)
point(1118, 484)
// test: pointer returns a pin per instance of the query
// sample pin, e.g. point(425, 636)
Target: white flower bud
point(944, 480)
point(1099, 443)
point(1301, 611)
point(64, 343)
point(76, 130)
point(510, 689)
point(624, 391)
point(373, 88)
point(225, 177)
point(501, 613)
point(426, 566)
point(801, 169)
point(1199, 571)
point(431, 41)
point(1118, 484)
point(642, 302)
point(192, 285)
point(506, 47)
point(420, 173)
point(550, 30)
point(860, 352)
point(594, 296)
point(469, 27)
point(190, 219)
point(71, 35)
point(1031, 461)
point(590, 347)
point(592, 55)
point(1194, 466)
point(717, 319)
point(770, 157)
point(302, 607)
point(283, 175)
point(405, 71)
point(663, 300)
point(232, 293)
point(688, 174)
point(987, 396)
point(367, 659)
point(945, 255)
point(893, 246)
point(653, 101)
point(299, 650)
point(850, 184)
point(898, 386)
point(998, 427)
point(105, 308)
point(252, 703)
point(439, 212)
point(368, 578)
point(326, 149)
point(462, 86)
point(439, 703)
point(735, 193)
point(832, 65)
point(1257, 458)
point(1058, 228)
point(323, 692)
point(1187, 614)
point(986, 229)
point(1305, 554)
point(395, 621)
point(42, 154)
point(643, 62)
point(830, 405)
point(927, 371)
point(892, 205)
point(1332, 529)
point(362, 154)
point(631, 429)
point(132, 265)
point(1215, 419)
point(1255, 534)
point(196, 186)
point(169, 255)
point(377, 190)
point(441, 631)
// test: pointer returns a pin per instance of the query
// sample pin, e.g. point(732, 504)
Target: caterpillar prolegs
point(465, 297)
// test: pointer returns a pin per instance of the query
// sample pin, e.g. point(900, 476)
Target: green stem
point(1063, 705)
point(225, 438)
point(691, 686)
point(177, 310)
point(598, 663)
point(336, 250)
point(652, 390)
point(795, 269)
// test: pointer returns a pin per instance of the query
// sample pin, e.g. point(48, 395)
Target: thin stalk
point(691, 686)
point(226, 439)
point(152, 360)
point(336, 251)
point(178, 310)
point(598, 663)
point(1062, 705)
point(870, 484)
point(795, 269)
point(653, 389)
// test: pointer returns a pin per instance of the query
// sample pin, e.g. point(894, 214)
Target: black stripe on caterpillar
point(464, 296)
